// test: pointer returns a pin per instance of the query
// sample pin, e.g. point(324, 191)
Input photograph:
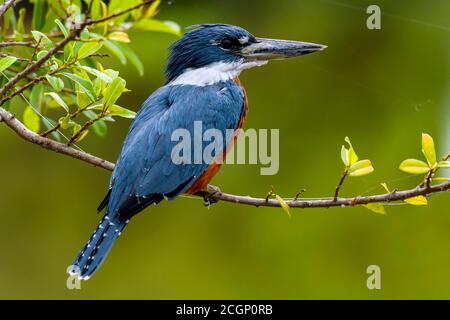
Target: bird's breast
point(214, 167)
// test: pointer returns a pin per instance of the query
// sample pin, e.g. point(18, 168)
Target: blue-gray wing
point(146, 172)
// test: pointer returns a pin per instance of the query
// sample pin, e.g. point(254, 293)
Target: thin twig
point(84, 128)
point(341, 182)
point(58, 125)
point(17, 43)
point(11, 55)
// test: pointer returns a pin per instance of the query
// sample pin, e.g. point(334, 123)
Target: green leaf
point(89, 48)
point(115, 110)
point(85, 34)
point(84, 84)
point(428, 149)
point(55, 82)
point(116, 51)
point(417, 201)
point(6, 62)
point(41, 54)
point(360, 168)
point(62, 28)
point(100, 128)
point(119, 111)
point(414, 166)
point(444, 164)
point(42, 39)
point(159, 26)
point(375, 207)
point(82, 100)
point(37, 96)
point(132, 57)
point(66, 122)
point(113, 91)
point(58, 99)
point(97, 73)
point(31, 119)
point(284, 205)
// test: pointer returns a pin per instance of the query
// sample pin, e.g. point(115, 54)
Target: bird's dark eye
point(226, 43)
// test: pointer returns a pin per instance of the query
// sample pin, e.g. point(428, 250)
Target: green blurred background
point(382, 88)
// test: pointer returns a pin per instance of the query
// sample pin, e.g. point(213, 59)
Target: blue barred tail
point(96, 249)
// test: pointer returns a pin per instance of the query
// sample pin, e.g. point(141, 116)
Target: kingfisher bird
point(201, 84)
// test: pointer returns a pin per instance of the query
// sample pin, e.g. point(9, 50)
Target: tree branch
point(212, 192)
point(8, 4)
point(49, 144)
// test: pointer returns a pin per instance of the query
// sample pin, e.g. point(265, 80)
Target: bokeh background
point(383, 88)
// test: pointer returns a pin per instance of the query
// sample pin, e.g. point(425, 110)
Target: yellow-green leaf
point(89, 48)
point(55, 82)
point(6, 62)
point(113, 91)
point(82, 99)
point(31, 119)
point(360, 168)
point(119, 36)
point(428, 149)
point(414, 166)
point(352, 157)
point(438, 179)
point(417, 201)
point(384, 185)
point(84, 83)
point(152, 9)
point(156, 25)
point(97, 73)
point(115, 111)
point(375, 207)
point(42, 39)
point(444, 164)
point(58, 99)
point(82, 136)
point(62, 28)
point(344, 156)
point(284, 205)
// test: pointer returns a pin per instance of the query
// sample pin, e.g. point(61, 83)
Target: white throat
point(213, 73)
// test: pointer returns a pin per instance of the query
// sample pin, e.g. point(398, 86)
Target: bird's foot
point(208, 195)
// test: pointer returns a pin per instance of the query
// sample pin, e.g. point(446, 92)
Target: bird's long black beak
point(269, 49)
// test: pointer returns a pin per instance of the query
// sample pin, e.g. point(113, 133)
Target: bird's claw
point(208, 195)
